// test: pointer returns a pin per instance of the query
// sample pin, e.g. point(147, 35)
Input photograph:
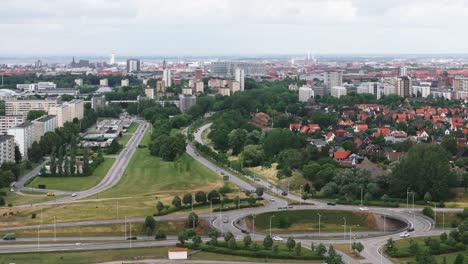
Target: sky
point(228, 27)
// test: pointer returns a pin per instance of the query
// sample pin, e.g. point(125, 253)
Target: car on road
point(225, 220)
point(50, 194)
point(74, 195)
point(331, 203)
point(364, 209)
point(277, 238)
point(132, 238)
point(9, 236)
point(405, 234)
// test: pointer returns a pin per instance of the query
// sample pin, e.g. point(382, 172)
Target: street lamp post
point(344, 229)
point(319, 215)
point(270, 223)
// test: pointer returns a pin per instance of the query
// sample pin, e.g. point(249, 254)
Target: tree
point(35, 114)
point(259, 191)
point(160, 235)
point(298, 249)
point(159, 206)
point(424, 169)
point(247, 241)
point(267, 242)
point(187, 199)
point(18, 155)
point(196, 240)
point(177, 202)
point(232, 243)
point(200, 197)
point(192, 220)
point(150, 225)
point(35, 152)
point(291, 243)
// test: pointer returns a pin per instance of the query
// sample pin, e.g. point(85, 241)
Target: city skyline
point(225, 27)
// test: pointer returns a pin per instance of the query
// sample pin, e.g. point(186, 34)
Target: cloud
point(232, 26)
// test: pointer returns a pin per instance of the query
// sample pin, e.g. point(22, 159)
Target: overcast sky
point(207, 27)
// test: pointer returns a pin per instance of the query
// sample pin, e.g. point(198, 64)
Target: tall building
point(133, 65)
point(97, 101)
point(305, 93)
point(68, 111)
point(24, 135)
point(167, 78)
point(186, 102)
point(332, 79)
point(7, 122)
point(198, 74)
point(22, 107)
point(7, 148)
point(240, 77)
point(227, 68)
point(338, 91)
point(404, 87)
point(42, 125)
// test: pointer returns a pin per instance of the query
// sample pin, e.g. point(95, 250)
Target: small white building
point(177, 253)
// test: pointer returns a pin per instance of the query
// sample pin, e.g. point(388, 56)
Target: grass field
point(307, 221)
point(98, 256)
point(149, 175)
point(75, 183)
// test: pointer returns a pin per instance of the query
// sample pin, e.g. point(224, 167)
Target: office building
point(79, 82)
point(332, 79)
point(104, 82)
point(46, 86)
point(186, 102)
point(133, 65)
point(338, 91)
point(125, 83)
point(7, 122)
point(68, 111)
point(7, 148)
point(22, 107)
point(24, 135)
point(240, 77)
point(167, 78)
point(199, 87)
point(42, 125)
point(227, 68)
point(404, 86)
point(305, 93)
point(97, 101)
point(150, 93)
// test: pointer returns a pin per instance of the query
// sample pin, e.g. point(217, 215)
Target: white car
point(277, 238)
point(405, 234)
point(74, 195)
point(364, 209)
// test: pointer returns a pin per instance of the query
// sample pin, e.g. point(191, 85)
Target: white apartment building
point(44, 124)
point(338, 91)
point(68, 111)
point(7, 148)
point(7, 122)
point(240, 77)
point(24, 136)
point(167, 78)
point(305, 93)
point(22, 107)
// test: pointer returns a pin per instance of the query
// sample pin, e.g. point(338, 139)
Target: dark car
point(132, 238)
point(331, 203)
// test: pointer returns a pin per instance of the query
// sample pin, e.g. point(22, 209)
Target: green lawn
point(75, 183)
point(99, 256)
point(147, 174)
point(307, 221)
